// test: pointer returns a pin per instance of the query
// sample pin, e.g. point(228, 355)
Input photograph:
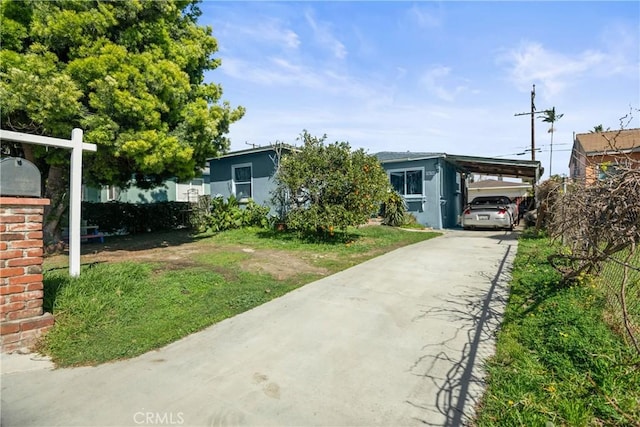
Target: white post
point(76, 145)
point(75, 203)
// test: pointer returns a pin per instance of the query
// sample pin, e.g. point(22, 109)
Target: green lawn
point(557, 362)
point(118, 310)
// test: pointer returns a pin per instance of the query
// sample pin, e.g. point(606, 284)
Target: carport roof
point(481, 165)
point(530, 169)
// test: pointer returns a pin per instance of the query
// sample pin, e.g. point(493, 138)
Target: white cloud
point(555, 71)
point(274, 71)
point(268, 31)
point(425, 17)
point(325, 38)
point(281, 72)
point(435, 79)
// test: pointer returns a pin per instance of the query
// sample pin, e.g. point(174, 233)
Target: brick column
point(22, 320)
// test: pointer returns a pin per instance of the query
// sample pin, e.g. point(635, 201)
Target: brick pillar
point(22, 320)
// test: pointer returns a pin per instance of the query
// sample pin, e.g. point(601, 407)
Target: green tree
point(129, 73)
point(329, 187)
point(550, 116)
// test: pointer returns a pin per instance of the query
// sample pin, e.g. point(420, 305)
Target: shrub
point(322, 188)
point(229, 214)
point(394, 210)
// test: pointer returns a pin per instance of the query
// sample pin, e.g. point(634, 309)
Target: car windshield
point(501, 200)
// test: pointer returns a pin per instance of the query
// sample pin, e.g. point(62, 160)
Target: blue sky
point(427, 76)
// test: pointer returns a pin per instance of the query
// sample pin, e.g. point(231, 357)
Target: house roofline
point(411, 159)
point(254, 150)
point(612, 152)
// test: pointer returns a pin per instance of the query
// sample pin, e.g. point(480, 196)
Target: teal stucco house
point(434, 185)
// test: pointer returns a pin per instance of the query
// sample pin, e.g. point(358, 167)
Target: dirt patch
point(280, 264)
point(177, 250)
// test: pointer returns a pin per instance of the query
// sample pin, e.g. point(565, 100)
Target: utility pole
point(533, 124)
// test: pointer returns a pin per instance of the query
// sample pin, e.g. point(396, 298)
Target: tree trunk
point(57, 191)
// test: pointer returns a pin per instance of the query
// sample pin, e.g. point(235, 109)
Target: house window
point(608, 169)
point(190, 191)
point(113, 193)
point(242, 180)
point(407, 182)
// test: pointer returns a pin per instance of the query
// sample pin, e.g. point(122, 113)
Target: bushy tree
point(329, 186)
point(129, 73)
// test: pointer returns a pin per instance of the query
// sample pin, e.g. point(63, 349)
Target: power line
point(533, 122)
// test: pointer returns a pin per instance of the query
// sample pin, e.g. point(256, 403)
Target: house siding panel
point(450, 196)
point(262, 168)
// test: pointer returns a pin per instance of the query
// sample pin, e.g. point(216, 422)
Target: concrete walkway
point(398, 340)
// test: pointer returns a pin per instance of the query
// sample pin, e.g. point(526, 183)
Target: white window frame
point(233, 178)
point(187, 191)
point(405, 170)
point(113, 193)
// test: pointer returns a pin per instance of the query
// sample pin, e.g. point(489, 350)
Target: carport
point(434, 186)
point(528, 170)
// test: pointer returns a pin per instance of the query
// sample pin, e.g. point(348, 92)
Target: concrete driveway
point(398, 340)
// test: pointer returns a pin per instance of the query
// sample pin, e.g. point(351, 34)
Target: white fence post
point(75, 200)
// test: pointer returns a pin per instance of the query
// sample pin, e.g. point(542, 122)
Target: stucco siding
point(450, 195)
point(426, 207)
point(262, 169)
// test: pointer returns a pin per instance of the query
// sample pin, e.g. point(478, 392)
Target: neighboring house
point(493, 187)
point(247, 174)
point(594, 153)
point(170, 191)
point(433, 184)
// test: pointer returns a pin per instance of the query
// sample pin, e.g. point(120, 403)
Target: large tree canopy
point(130, 73)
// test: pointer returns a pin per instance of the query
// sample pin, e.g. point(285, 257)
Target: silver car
point(490, 212)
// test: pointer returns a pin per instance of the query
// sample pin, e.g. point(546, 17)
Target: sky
point(428, 76)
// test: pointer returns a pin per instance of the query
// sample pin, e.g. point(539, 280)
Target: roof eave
point(412, 159)
point(288, 148)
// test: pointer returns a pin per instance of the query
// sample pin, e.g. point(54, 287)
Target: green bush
point(229, 214)
point(322, 188)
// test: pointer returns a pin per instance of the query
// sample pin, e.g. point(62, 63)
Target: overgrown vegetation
point(598, 224)
point(557, 362)
point(122, 309)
